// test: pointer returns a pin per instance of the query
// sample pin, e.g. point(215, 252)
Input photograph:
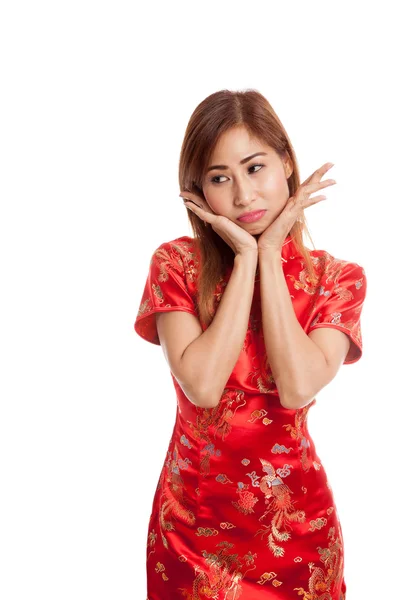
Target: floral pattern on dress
point(243, 507)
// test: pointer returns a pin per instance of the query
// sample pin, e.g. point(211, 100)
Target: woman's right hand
point(237, 238)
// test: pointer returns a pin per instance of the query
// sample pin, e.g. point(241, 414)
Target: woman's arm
point(299, 366)
point(203, 366)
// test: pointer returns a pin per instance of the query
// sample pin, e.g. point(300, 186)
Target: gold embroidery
point(317, 523)
point(225, 525)
point(324, 580)
point(160, 568)
point(172, 491)
point(298, 433)
point(224, 573)
point(247, 500)
point(145, 307)
point(218, 418)
point(151, 540)
point(206, 531)
point(273, 488)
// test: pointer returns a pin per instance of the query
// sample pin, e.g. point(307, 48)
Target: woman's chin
point(255, 229)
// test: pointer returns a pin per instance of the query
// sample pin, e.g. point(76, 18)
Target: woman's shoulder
point(332, 266)
point(179, 255)
point(183, 244)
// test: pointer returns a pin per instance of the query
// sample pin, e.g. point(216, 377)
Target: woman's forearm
point(210, 359)
point(296, 361)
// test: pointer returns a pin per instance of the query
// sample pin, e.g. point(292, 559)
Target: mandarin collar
point(288, 251)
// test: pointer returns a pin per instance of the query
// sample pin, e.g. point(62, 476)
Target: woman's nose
point(243, 197)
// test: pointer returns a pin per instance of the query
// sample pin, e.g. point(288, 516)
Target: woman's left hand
point(273, 237)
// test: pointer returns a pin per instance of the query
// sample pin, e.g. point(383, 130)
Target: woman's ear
point(288, 165)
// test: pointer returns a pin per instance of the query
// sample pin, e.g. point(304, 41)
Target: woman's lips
point(253, 216)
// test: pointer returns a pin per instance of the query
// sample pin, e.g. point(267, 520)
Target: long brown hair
point(216, 114)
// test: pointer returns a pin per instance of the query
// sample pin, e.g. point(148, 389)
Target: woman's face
point(232, 188)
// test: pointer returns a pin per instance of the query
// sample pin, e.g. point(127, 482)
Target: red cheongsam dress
point(243, 507)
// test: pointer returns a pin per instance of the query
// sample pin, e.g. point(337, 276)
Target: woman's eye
point(256, 166)
point(216, 177)
point(213, 180)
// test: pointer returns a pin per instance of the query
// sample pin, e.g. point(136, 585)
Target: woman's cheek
point(277, 189)
point(272, 183)
point(217, 207)
point(214, 203)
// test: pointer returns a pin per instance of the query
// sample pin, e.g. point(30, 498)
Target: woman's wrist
point(250, 256)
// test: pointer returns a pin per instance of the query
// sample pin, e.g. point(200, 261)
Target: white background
point(95, 98)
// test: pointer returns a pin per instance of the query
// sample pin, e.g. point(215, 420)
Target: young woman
point(252, 324)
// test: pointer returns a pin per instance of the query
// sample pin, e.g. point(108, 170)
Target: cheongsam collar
point(288, 251)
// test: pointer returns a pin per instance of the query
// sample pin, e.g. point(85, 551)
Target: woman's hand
point(273, 237)
point(237, 238)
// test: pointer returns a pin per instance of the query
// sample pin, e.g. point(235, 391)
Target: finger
point(324, 168)
point(316, 199)
point(192, 197)
point(187, 202)
point(319, 173)
point(311, 187)
point(196, 198)
point(205, 215)
point(199, 202)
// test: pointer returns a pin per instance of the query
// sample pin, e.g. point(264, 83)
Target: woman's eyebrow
point(245, 160)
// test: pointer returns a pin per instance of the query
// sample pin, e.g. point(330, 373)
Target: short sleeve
point(165, 290)
point(344, 295)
